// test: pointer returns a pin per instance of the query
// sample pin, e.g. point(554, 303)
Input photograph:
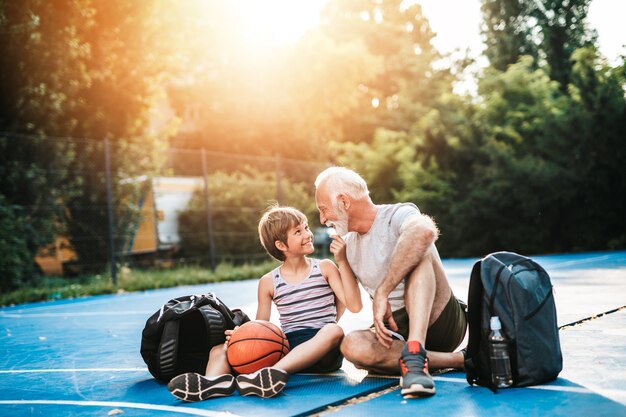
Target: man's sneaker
point(266, 382)
point(415, 380)
point(195, 387)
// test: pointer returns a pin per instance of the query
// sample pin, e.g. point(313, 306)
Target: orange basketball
point(256, 344)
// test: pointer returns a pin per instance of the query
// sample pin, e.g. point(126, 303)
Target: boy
point(309, 294)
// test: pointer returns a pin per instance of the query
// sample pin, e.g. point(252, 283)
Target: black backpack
point(179, 336)
point(519, 291)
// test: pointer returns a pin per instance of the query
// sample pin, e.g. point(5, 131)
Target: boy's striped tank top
point(307, 305)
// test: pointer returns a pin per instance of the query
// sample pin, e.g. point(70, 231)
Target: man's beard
point(341, 224)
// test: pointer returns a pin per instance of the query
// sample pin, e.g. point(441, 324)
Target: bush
point(237, 203)
point(16, 259)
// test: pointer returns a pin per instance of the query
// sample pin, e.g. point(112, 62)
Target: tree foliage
point(526, 166)
point(83, 69)
point(237, 202)
point(547, 30)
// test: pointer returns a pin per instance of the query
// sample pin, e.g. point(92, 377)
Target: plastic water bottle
point(499, 354)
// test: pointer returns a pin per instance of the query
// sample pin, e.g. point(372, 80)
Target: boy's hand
point(229, 333)
point(338, 248)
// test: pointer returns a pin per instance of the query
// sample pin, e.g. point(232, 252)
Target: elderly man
point(391, 250)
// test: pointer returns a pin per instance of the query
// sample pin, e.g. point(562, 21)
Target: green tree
point(596, 126)
point(84, 69)
point(519, 191)
point(16, 262)
point(288, 100)
point(237, 202)
point(507, 32)
point(33, 170)
point(564, 29)
point(547, 30)
point(541, 173)
point(408, 85)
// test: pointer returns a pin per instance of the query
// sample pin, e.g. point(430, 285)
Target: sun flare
point(276, 22)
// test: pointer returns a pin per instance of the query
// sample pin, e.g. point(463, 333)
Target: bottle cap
point(494, 323)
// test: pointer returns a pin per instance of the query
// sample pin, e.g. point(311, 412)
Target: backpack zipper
point(532, 313)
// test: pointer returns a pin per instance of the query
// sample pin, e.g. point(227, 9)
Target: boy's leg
point(218, 381)
point(265, 383)
point(311, 351)
point(218, 361)
point(269, 382)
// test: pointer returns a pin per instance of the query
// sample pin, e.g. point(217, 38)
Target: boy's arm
point(341, 307)
point(349, 281)
point(343, 284)
point(265, 294)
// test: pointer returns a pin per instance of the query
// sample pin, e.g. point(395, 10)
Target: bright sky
point(278, 21)
point(456, 22)
point(460, 29)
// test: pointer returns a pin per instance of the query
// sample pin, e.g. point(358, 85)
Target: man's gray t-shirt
point(369, 254)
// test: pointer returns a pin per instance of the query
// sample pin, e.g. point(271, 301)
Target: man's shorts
point(446, 333)
point(329, 363)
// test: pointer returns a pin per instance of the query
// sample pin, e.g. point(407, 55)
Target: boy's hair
point(275, 224)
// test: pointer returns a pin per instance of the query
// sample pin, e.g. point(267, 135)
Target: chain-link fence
point(95, 205)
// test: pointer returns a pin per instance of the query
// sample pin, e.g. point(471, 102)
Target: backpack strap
point(232, 318)
point(168, 350)
point(494, 291)
point(474, 297)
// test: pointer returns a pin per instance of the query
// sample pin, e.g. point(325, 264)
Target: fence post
point(279, 187)
point(207, 209)
point(109, 187)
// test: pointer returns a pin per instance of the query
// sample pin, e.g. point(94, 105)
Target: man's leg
point(363, 349)
point(420, 295)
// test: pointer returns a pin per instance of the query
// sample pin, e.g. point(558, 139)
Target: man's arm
point(416, 235)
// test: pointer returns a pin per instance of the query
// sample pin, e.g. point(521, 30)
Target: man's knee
point(426, 272)
point(356, 348)
point(427, 265)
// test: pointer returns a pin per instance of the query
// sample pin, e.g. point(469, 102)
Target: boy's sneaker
point(265, 383)
point(195, 387)
point(415, 380)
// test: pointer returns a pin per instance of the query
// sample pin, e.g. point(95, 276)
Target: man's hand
point(382, 312)
point(338, 249)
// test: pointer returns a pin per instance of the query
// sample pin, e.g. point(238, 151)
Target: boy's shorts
point(329, 363)
point(445, 334)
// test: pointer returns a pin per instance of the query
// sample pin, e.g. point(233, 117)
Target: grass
point(55, 288)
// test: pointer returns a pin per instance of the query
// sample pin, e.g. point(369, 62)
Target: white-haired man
point(391, 250)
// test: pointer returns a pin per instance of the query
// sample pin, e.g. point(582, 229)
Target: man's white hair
point(340, 180)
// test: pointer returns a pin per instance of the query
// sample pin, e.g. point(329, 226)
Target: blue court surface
point(81, 357)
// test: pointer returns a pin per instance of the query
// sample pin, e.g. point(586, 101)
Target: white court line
point(142, 406)
point(79, 314)
point(577, 390)
point(52, 304)
point(578, 262)
point(38, 371)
